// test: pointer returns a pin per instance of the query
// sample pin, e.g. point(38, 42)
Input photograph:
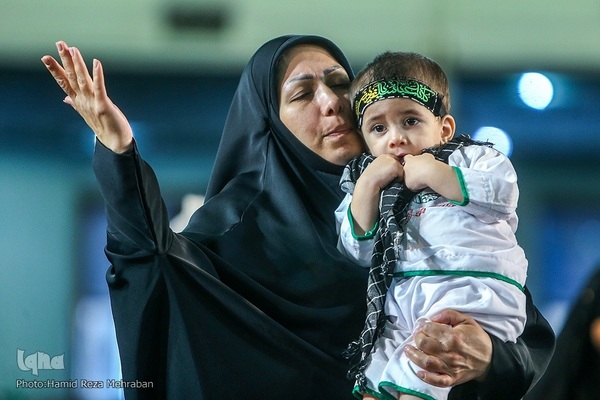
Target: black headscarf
point(270, 212)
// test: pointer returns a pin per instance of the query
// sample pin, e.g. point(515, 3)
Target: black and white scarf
point(393, 206)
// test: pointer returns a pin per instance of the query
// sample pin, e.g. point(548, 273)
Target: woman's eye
point(343, 85)
point(300, 96)
point(337, 81)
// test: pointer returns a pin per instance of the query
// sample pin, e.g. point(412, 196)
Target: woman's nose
point(330, 102)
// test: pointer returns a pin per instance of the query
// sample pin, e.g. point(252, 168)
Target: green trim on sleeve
point(368, 235)
point(463, 188)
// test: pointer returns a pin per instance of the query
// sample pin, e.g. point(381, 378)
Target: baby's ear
point(448, 127)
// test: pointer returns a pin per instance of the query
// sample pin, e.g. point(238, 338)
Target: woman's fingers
point(434, 371)
point(451, 348)
point(98, 82)
point(82, 76)
point(59, 74)
point(69, 70)
point(72, 76)
point(87, 95)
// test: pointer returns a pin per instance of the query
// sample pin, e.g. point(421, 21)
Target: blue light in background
point(535, 90)
point(501, 140)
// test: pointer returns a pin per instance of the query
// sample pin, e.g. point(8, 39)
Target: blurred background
point(524, 74)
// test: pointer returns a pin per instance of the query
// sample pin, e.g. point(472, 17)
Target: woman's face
point(314, 104)
point(595, 333)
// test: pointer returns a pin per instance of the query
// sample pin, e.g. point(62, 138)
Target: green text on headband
point(397, 88)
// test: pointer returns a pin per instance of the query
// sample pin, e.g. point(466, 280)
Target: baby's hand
point(418, 170)
point(382, 171)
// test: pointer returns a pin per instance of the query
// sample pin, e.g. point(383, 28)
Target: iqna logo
point(39, 360)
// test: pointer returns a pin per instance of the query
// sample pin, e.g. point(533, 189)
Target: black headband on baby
point(397, 88)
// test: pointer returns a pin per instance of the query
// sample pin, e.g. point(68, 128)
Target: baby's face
point(401, 126)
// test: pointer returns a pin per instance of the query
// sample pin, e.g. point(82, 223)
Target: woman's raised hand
point(87, 95)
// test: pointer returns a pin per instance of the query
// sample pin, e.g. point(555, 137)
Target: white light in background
point(501, 140)
point(536, 90)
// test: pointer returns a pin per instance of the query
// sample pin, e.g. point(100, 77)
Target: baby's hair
point(406, 65)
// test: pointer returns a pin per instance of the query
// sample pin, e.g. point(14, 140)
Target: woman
point(574, 371)
point(252, 299)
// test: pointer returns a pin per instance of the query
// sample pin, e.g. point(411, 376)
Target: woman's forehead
point(305, 61)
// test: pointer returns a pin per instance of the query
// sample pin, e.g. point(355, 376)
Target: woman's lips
point(339, 130)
